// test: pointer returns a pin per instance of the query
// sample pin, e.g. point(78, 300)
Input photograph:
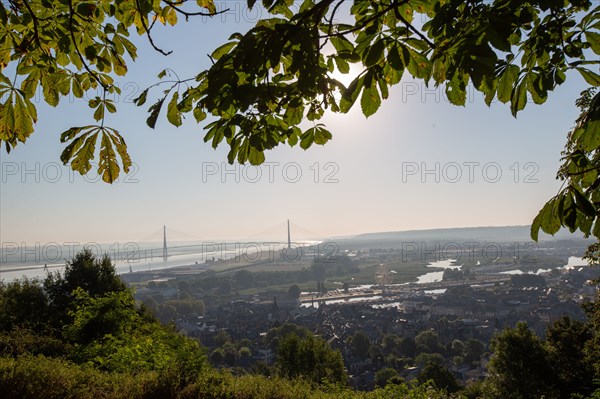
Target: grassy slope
point(29, 377)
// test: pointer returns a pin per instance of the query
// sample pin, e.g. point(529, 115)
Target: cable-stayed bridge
point(176, 242)
point(163, 248)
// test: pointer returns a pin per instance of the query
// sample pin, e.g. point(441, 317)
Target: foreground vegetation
point(81, 335)
point(40, 377)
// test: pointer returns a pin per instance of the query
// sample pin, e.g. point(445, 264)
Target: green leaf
point(456, 89)
point(506, 82)
point(256, 157)
point(341, 44)
point(593, 38)
point(199, 114)
point(77, 88)
point(583, 203)
point(110, 106)
point(294, 115)
point(108, 167)
point(518, 98)
point(171, 17)
point(392, 76)
point(589, 140)
point(121, 146)
point(596, 229)
point(538, 94)
point(81, 162)
point(418, 66)
point(375, 53)
point(30, 84)
point(383, 87)
point(550, 222)
point(141, 99)
point(99, 113)
point(569, 219)
point(370, 100)
point(591, 77)
point(173, 114)
point(321, 135)
point(342, 65)
point(537, 223)
point(207, 4)
point(50, 90)
point(243, 151)
point(307, 139)
point(293, 134)
point(154, 112)
point(25, 117)
point(74, 146)
point(350, 95)
point(17, 117)
point(394, 58)
point(222, 50)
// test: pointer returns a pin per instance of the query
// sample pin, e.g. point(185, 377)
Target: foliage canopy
point(272, 84)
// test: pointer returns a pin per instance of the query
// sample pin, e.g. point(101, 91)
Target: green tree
point(68, 48)
point(424, 358)
point(231, 354)
point(576, 205)
point(474, 350)
point(24, 304)
point(361, 343)
point(566, 341)
point(111, 333)
point(385, 375)
point(431, 341)
point(245, 353)
point(94, 318)
point(96, 277)
point(439, 376)
point(310, 357)
point(390, 343)
point(520, 366)
point(592, 348)
point(221, 338)
point(474, 390)
point(456, 347)
point(407, 347)
point(217, 356)
point(294, 292)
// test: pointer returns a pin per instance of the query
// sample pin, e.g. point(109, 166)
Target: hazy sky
point(419, 163)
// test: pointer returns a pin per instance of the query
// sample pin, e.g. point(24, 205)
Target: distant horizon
point(346, 236)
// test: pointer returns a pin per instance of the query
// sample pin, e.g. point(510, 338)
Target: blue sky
point(370, 175)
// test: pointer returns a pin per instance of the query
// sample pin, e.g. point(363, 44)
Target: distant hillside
point(463, 234)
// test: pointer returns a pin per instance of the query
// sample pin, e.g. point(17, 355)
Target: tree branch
point(36, 30)
point(415, 30)
point(333, 14)
point(147, 30)
point(188, 14)
point(394, 5)
point(362, 25)
point(72, 34)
